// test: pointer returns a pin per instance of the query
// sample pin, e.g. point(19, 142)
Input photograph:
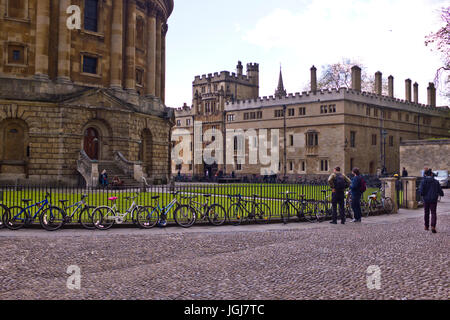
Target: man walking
point(430, 190)
point(338, 183)
point(355, 188)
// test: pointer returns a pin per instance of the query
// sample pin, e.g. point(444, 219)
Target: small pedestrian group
point(338, 183)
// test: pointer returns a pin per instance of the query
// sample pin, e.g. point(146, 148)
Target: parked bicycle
point(238, 212)
point(296, 208)
point(323, 208)
point(18, 217)
point(214, 213)
point(374, 205)
point(81, 212)
point(3, 211)
point(104, 217)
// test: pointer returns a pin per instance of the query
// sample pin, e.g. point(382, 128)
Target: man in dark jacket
point(430, 190)
point(338, 182)
point(355, 188)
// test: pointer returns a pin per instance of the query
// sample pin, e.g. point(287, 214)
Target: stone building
point(319, 130)
point(76, 101)
point(210, 95)
point(418, 154)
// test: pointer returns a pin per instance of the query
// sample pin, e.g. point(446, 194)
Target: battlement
point(252, 67)
point(333, 95)
point(185, 110)
point(222, 76)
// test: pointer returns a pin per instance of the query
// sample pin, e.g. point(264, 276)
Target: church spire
point(280, 91)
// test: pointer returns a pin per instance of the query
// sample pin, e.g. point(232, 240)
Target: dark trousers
point(356, 206)
point(430, 207)
point(338, 198)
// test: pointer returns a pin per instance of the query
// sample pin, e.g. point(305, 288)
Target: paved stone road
point(297, 261)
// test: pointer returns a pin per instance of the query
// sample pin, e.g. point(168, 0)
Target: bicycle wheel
point(321, 211)
point(364, 209)
point(388, 205)
point(262, 213)
point(373, 208)
point(15, 218)
point(103, 218)
point(308, 211)
point(3, 211)
point(216, 214)
point(85, 218)
point(52, 218)
point(235, 214)
point(184, 216)
point(147, 217)
point(285, 212)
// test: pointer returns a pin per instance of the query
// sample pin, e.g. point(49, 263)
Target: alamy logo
point(74, 21)
point(374, 278)
point(74, 280)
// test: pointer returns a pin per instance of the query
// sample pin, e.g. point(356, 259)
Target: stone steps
point(113, 170)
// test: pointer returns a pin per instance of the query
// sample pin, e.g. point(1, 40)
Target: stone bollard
point(409, 192)
point(389, 191)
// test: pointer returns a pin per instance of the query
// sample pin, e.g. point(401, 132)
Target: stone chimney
point(391, 86)
point(416, 92)
point(356, 78)
point(314, 79)
point(431, 94)
point(408, 90)
point(239, 68)
point(379, 83)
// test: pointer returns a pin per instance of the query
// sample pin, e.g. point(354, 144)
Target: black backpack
point(339, 183)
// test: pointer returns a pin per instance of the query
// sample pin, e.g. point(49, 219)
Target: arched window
point(91, 143)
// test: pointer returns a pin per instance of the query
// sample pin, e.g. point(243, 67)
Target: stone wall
point(417, 154)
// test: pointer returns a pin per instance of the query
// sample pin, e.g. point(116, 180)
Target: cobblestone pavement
point(298, 261)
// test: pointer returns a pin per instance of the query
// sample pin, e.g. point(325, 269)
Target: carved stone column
point(42, 38)
point(64, 43)
point(163, 61)
point(117, 45)
point(158, 55)
point(151, 53)
point(130, 78)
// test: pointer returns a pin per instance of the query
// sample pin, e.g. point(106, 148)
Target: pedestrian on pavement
point(338, 183)
point(404, 172)
point(355, 188)
point(430, 190)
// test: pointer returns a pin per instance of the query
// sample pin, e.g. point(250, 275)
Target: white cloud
point(385, 35)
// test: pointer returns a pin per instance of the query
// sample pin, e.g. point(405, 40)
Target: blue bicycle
point(18, 217)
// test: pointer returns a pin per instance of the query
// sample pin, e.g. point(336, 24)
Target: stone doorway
point(91, 143)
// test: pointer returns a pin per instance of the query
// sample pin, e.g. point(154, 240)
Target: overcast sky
point(207, 36)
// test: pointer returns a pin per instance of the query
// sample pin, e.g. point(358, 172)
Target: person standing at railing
point(338, 183)
point(103, 179)
point(430, 190)
point(355, 188)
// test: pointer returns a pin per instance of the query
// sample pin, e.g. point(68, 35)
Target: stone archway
point(96, 140)
point(14, 146)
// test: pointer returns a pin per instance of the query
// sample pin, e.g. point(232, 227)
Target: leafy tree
point(440, 40)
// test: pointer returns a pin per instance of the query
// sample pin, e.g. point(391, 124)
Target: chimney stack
point(391, 86)
point(313, 79)
point(379, 83)
point(431, 95)
point(408, 90)
point(416, 92)
point(356, 78)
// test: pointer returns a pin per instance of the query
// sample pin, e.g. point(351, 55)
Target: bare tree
point(440, 40)
point(339, 75)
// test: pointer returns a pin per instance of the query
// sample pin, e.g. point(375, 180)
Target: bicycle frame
point(42, 204)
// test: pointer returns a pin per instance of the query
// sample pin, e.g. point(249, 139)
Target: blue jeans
point(356, 206)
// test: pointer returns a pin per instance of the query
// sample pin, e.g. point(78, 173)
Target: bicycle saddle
point(324, 191)
point(207, 195)
point(26, 200)
point(113, 198)
point(63, 201)
point(155, 197)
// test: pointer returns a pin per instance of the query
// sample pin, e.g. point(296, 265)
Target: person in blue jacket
point(355, 189)
point(430, 190)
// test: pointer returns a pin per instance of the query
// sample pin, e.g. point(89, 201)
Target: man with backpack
point(430, 190)
point(338, 183)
